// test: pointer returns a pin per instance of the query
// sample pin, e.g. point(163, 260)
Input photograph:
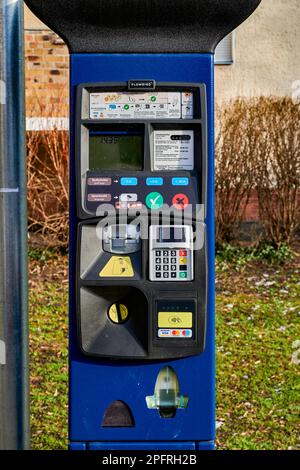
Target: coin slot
point(118, 313)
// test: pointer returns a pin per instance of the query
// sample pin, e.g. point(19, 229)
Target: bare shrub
point(48, 199)
point(48, 180)
point(278, 168)
point(258, 148)
point(235, 167)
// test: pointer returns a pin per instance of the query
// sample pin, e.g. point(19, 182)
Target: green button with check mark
point(154, 200)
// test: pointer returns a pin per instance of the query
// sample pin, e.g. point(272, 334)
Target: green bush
point(264, 252)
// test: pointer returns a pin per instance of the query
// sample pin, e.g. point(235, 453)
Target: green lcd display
point(116, 152)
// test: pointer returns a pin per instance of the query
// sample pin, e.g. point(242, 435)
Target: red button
point(182, 253)
point(180, 201)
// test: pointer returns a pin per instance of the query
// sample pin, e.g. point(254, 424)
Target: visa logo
point(163, 333)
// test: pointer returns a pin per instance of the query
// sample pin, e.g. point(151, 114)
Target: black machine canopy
point(142, 26)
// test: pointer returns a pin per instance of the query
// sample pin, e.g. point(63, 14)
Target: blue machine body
point(96, 383)
point(124, 393)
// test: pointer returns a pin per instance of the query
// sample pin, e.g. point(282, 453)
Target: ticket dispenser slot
point(167, 398)
point(122, 239)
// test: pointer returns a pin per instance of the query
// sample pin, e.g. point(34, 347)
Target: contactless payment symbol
point(180, 201)
point(154, 201)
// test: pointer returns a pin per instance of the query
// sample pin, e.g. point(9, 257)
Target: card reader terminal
point(171, 253)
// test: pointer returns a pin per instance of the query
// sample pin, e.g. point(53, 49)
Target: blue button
point(180, 181)
point(128, 181)
point(154, 181)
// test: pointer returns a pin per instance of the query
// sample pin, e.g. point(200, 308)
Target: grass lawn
point(258, 380)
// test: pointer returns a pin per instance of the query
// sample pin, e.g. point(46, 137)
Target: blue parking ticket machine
point(142, 218)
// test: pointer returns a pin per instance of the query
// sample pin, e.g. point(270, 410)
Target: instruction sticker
point(173, 150)
point(150, 105)
point(187, 108)
point(118, 266)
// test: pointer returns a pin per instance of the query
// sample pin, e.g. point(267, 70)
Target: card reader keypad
point(171, 256)
point(171, 264)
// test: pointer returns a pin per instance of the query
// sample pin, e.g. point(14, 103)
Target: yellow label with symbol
point(118, 266)
point(175, 319)
point(118, 313)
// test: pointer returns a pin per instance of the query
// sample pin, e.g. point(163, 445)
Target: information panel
point(173, 150)
point(153, 105)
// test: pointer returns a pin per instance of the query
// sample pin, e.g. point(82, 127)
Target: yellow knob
point(118, 313)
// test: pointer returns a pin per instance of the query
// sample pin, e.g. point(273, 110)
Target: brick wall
point(46, 74)
point(252, 210)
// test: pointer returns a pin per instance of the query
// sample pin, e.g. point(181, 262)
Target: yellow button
point(182, 261)
point(175, 320)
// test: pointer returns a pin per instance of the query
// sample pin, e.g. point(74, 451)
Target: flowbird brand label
point(141, 85)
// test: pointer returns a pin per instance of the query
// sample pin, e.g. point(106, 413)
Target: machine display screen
point(115, 152)
point(171, 235)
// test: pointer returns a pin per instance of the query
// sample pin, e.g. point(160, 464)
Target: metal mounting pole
point(14, 400)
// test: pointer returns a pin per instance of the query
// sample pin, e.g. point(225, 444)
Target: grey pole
point(14, 400)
